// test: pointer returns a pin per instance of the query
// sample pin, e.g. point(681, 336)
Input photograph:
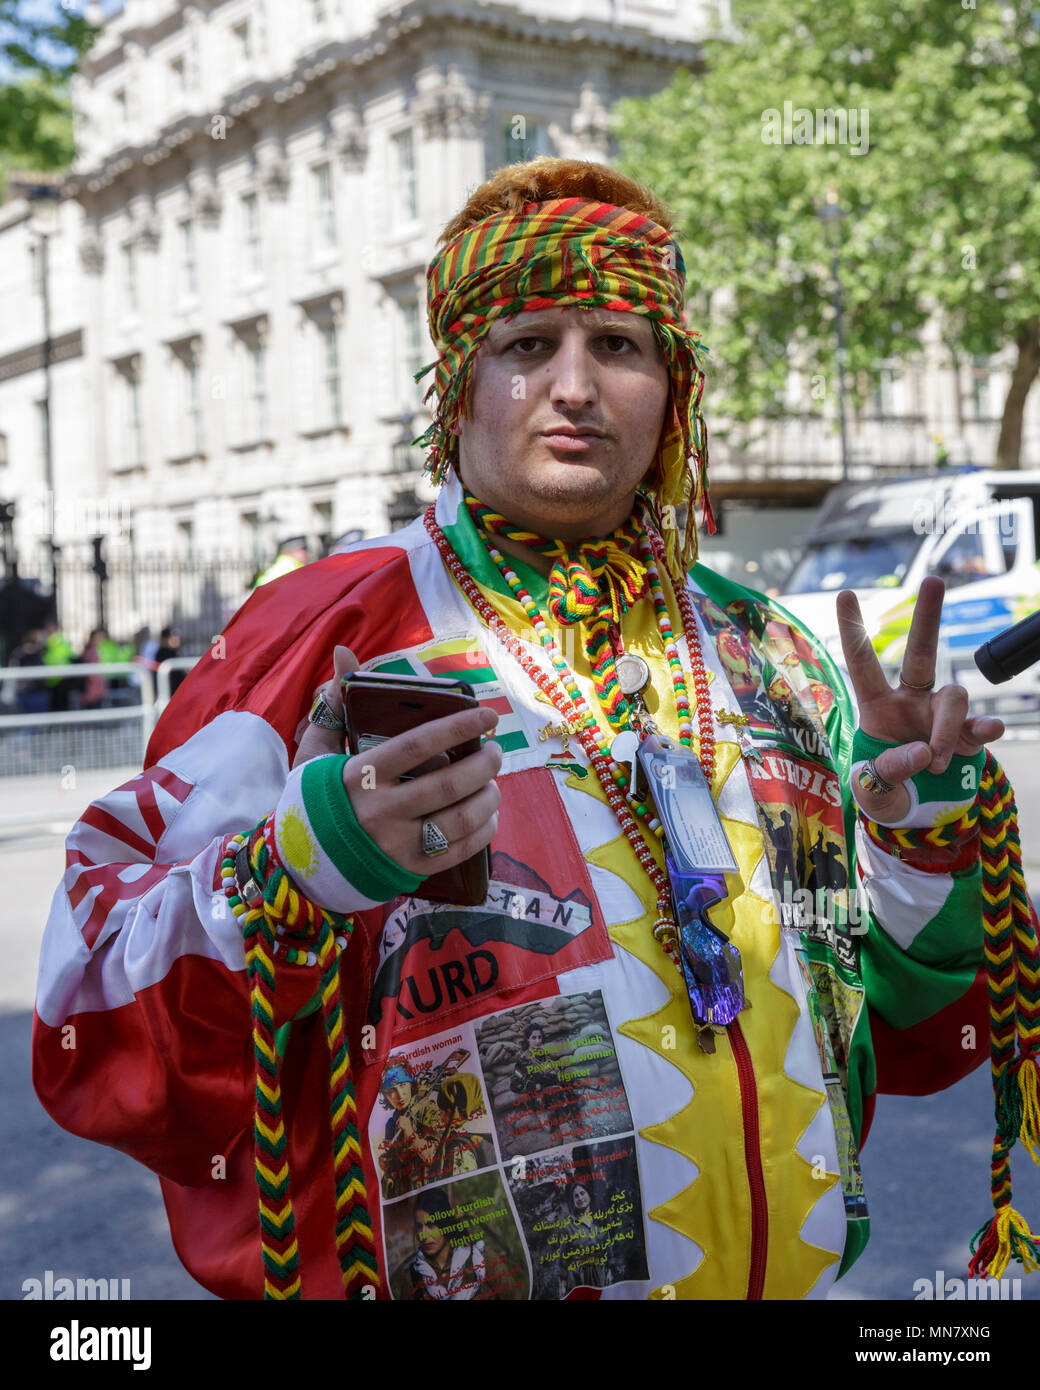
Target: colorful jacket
point(733, 1175)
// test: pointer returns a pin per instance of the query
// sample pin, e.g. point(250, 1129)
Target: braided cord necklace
point(565, 695)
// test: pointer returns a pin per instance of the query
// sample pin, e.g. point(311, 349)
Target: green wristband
point(951, 785)
point(351, 849)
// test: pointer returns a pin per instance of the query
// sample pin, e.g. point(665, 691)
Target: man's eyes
point(613, 339)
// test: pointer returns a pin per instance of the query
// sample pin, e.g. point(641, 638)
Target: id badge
point(692, 825)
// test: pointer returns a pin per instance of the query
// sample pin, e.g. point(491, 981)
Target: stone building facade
point(258, 189)
point(236, 270)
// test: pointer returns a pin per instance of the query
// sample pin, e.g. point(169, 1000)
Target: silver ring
point(871, 780)
point(323, 716)
point(910, 685)
point(434, 841)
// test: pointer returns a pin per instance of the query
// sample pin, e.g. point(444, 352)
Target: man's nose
point(574, 369)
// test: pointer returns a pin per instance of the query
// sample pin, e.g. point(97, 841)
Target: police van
point(976, 529)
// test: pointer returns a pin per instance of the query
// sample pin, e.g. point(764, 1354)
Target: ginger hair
point(539, 180)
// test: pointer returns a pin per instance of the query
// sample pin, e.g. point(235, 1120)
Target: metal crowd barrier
point(45, 741)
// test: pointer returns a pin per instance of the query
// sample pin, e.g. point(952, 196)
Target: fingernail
point(488, 718)
point(939, 763)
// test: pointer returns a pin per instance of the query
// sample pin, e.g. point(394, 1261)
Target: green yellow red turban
point(554, 254)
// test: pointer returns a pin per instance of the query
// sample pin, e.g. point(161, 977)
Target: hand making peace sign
point(928, 727)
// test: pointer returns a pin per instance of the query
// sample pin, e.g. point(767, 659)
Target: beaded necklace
point(565, 695)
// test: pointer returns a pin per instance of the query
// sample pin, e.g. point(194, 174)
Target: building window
point(251, 234)
point(186, 538)
point(402, 177)
point(43, 433)
point(318, 14)
point(324, 207)
point(129, 261)
point(242, 44)
point(257, 395)
point(192, 403)
point(412, 354)
point(188, 275)
point(888, 392)
point(250, 531)
point(178, 77)
point(982, 389)
point(524, 139)
point(323, 522)
point(329, 373)
point(121, 106)
point(133, 451)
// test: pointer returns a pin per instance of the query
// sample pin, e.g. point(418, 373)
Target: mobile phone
point(378, 706)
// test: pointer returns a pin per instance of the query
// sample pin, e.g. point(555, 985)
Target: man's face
point(564, 369)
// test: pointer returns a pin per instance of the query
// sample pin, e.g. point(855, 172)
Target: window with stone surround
point(403, 188)
point(323, 207)
point(252, 259)
point(129, 448)
point(250, 421)
point(188, 271)
point(318, 379)
point(186, 427)
point(413, 351)
point(128, 262)
point(524, 137)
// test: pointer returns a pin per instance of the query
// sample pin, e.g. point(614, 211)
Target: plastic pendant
point(711, 966)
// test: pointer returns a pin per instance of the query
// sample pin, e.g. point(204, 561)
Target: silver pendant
point(633, 673)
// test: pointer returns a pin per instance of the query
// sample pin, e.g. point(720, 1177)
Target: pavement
point(82, 1210)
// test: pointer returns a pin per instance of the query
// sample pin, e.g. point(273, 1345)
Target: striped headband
point(572, 251)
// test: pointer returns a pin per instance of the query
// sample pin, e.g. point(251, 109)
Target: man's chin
point(566, 482)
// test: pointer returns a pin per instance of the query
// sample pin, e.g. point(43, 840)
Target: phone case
point(384, 706)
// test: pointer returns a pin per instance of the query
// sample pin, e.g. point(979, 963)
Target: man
point(567, 380)
point(292, 555)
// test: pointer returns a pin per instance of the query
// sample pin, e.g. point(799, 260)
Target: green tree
point(941, 197)
point(37, 57)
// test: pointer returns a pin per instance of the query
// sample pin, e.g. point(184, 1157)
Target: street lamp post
point(830, 215)
point(42, 226)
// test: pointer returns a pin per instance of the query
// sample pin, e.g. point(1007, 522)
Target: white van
point(976, 529)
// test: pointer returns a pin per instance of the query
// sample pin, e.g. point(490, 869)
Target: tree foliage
point(942, 200)
point(37, 58)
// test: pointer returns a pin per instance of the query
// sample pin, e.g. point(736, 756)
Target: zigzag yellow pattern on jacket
point(714, 1213)
point(714, 1209)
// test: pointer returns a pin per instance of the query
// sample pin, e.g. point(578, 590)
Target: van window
point(965, 560)
point(868, 562)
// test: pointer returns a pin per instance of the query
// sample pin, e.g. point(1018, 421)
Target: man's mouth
point(572, 441)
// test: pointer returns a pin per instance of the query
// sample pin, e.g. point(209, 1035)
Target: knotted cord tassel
point(1007, 1237)
point(285, 911)
point(1029, 1132)
point(1011, 952)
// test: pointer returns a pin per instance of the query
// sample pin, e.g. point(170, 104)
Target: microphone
point(1011, 651)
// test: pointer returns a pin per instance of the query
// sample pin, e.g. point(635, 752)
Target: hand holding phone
point(419, 757)
point(459, 795)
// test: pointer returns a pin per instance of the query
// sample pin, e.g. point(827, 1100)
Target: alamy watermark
point(943, 1289)
point(801, 125)
point(59, 1286)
